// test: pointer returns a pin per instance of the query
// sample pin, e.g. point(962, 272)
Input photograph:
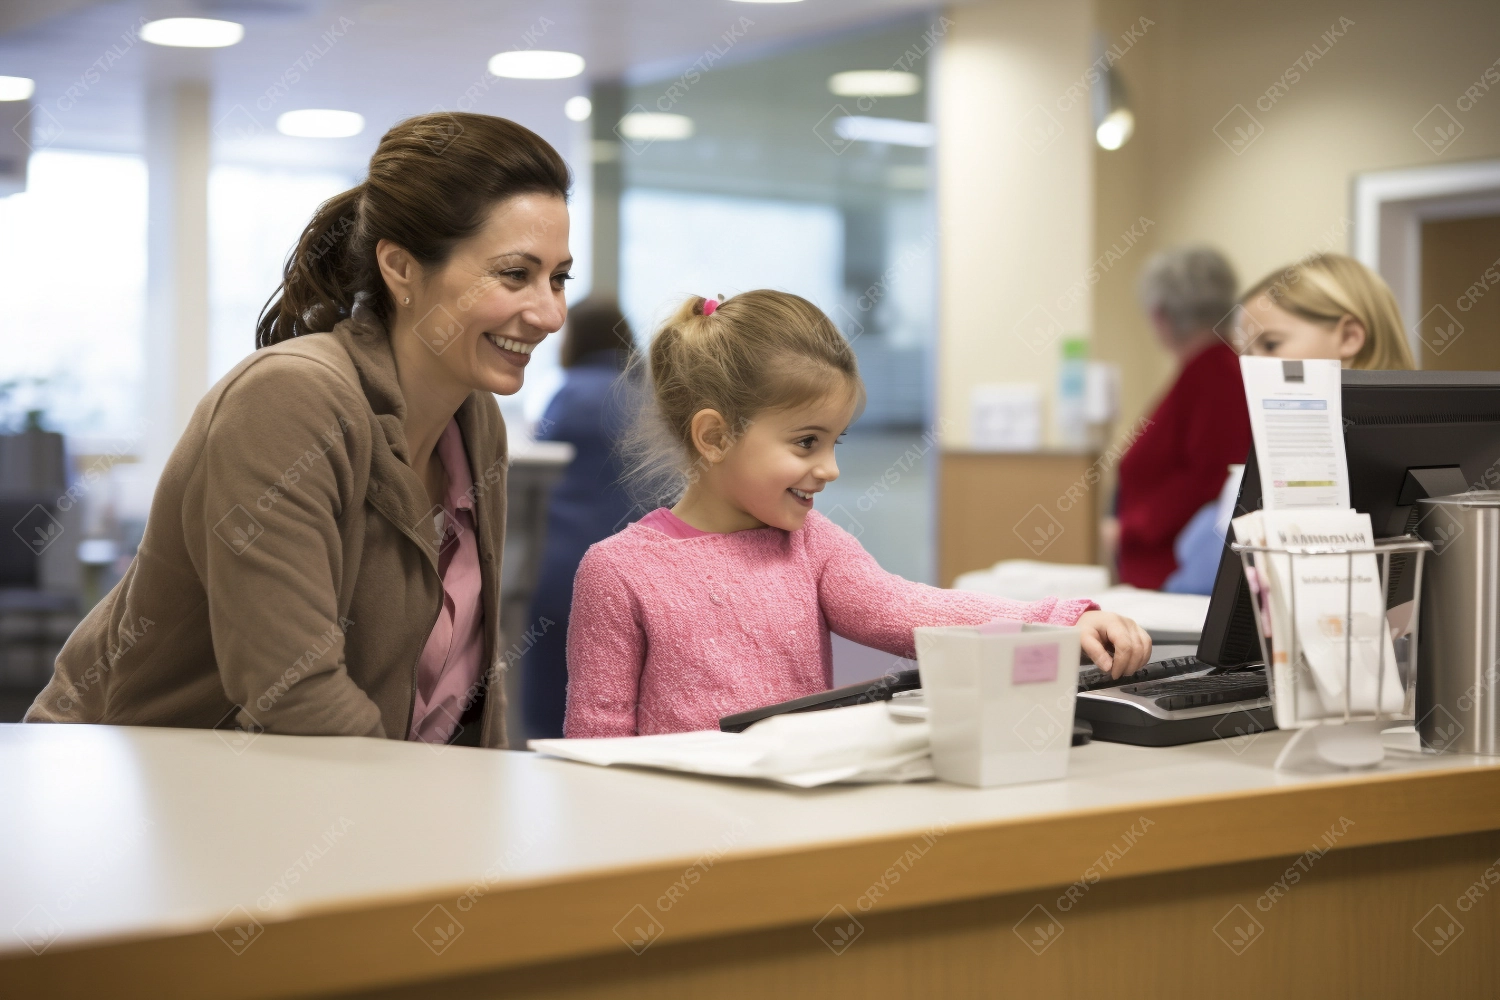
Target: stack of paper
point(1030, 580)
point(1328, 631)
point(861, 743)
point(1336, 606)
point(1155, 611)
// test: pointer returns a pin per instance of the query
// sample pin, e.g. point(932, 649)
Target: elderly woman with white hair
point(1198, 429)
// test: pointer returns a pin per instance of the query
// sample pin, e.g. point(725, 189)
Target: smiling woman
point(322, 555)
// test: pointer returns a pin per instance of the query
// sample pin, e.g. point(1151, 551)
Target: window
point(255, 218)
point(73, 294)
point(675, 244)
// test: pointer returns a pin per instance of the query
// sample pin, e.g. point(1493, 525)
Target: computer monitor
point(1408, 435)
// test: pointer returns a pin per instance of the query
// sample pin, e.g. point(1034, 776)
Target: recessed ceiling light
point(536, 64)
point(320, 123)
point(768, 1)
point(578, 108)
point(653, 125)
point(192, 32)
point(16, 88)
point(874, 83)
point(893, 131)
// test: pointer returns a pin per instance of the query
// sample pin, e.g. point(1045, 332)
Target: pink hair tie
point(709, 305)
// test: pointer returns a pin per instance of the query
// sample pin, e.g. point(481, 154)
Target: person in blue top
point(592, 412)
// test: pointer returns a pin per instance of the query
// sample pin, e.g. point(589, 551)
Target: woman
point(588, 504)
point(1324, 306)
point(1201, 426)
point(322, 554)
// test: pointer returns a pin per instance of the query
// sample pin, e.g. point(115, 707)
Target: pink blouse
point(452, 661)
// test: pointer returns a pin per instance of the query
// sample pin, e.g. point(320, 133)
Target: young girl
point(1325, 306)
point(725, 602)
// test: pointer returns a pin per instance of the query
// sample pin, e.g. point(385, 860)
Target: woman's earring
point(406, 301)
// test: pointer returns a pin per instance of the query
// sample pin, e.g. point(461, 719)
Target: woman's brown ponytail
point(317, 286)
point(431, 183)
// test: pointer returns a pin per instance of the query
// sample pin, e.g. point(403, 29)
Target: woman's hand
point(1116, 643)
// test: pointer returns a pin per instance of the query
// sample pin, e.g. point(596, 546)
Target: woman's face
point(1267, 330)
point(498, 296)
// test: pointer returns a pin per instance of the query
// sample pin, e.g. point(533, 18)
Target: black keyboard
point(1172, 701)
point(880, 689)
point(1093, 678)
point(1196, 692)
point(1181, 700)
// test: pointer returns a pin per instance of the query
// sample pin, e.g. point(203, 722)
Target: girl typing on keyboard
point(725, 601)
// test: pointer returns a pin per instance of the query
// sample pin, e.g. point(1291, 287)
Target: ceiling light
point(192, 32)
point(874, 83)
point(894, 131)
point(768, 1)
point(1116, 128)
point(536, 64)
point(320, 123)
point(578, 108)
point(16, 88)
point(1113, 121)
point(652, 125)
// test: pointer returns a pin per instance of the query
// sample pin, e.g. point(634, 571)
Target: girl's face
point(783, 458)
point(1267, 330)
point(497, 297)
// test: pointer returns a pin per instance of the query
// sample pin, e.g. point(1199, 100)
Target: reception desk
point(1017, 505)
point(172, 863)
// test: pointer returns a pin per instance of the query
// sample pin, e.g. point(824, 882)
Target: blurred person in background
point(591, 412)
point(1196, 431)
point(1325, 306)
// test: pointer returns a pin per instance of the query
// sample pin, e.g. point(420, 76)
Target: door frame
point(1389, 207)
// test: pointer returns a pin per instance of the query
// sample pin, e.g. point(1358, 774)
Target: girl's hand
point(1116, 643)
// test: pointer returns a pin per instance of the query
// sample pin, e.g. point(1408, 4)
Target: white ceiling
point(385, 59)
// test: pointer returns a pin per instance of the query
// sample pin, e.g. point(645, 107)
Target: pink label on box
point(1034, 664)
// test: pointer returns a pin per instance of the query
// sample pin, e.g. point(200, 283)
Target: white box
point(999, 700)
point(1005, 416)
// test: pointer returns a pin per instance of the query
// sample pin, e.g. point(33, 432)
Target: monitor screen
point(1408, 435)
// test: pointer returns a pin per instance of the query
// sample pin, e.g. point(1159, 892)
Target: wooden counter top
point(176, 863)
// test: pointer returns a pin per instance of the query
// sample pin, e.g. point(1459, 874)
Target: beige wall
point(1352, 110)
point(1015, 217)
point(1022, 228)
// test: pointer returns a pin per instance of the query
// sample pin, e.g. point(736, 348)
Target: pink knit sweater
point(670, 634)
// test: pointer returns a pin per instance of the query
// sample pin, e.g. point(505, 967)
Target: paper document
point(1154, 610)
point(1297, 420)
point(859, 743)
point(1336, 606)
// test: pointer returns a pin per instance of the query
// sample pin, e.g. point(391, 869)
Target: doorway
point(1461, 294)
point(1433, 233)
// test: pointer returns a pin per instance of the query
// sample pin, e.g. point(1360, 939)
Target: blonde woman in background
point(1325, 306)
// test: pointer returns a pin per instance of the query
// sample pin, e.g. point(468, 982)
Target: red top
point(1179, 462)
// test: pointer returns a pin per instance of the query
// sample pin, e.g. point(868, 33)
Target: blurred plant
point(18, 412)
